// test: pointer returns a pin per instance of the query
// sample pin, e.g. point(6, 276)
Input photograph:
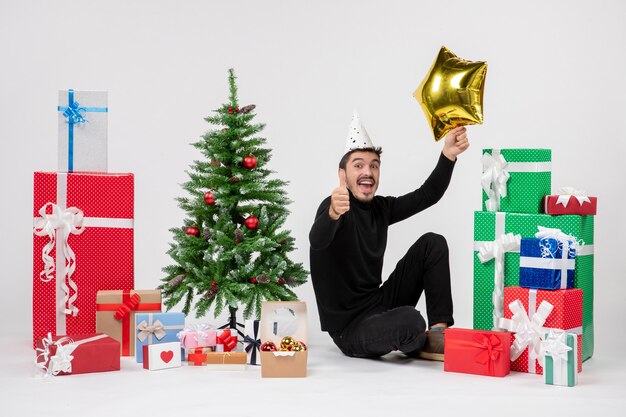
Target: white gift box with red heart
point(161, 356)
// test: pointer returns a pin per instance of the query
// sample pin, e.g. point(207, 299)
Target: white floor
point(336, 386)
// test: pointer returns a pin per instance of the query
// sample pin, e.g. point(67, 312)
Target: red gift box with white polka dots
point(95, 211)
point(567, 314)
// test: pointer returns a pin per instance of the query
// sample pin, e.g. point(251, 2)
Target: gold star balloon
point(451, 95)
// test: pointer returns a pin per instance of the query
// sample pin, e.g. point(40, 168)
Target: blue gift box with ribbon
point(83, 125)
point(155, 328)
point(547, 263)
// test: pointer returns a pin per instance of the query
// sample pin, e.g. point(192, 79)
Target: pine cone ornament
point(248, 108)
point(238, 235)
point(290, 281)
point(212, 292)
point(175, 282)
point(262, 279)
point(206, 234)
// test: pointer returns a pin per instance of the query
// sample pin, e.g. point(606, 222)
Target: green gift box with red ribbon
point(115, 314)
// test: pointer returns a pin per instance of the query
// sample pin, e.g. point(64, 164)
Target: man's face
point(362, 173)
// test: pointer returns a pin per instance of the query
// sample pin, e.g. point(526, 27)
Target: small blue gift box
point(155, 328)
point(546, 264)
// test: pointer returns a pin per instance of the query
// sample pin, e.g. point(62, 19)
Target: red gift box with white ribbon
point(78, 354)
point(531, 314)
point(82, 242)
point(570, 201)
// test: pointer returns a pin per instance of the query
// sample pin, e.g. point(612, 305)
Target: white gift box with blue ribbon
point(83, 131)
point(548, 261)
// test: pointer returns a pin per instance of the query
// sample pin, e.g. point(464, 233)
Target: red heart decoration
point(167, 356)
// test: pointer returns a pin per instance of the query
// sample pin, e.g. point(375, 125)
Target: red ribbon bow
point(490, 349)
point(227, 339)
point(127, 306)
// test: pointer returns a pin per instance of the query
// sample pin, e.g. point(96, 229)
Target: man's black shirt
point(346, 255)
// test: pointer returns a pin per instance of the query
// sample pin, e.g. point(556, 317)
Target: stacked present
point(533, 258)
point(83, 239)
point(86, 312)
point(212, 348)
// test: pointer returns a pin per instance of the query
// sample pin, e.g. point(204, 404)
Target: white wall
point(555, 80)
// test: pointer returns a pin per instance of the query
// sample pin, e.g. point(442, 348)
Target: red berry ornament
point(268, 347)
point(252, 222)
point(230, 110)
point(208, 198)
point(213, 284)
point(234, 179)
point(281, 281)
point(249, 161)
point(193, 231)
point(252, 280)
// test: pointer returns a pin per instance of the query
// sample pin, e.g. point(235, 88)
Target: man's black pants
point(395, 324)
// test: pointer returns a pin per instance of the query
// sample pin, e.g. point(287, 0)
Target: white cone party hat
point(357, 135)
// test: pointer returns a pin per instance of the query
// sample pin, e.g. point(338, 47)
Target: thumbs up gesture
point(339, 199)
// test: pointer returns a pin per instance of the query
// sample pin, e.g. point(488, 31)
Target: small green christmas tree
point(231, 251)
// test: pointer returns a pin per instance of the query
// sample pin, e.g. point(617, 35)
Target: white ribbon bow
point(568, 244)
point(566, 193)
point(146, 330)
point(494, 179)
point(65, 221)
point(528, 332)
point(496, 250)
point(555, 345)
point(198, 331)
point(62, 359)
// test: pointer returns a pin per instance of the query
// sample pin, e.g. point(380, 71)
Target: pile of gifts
point(86, 312)
point(130, 323)
point(533, 274)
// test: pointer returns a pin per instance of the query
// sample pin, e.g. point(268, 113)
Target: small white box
point(161, 356)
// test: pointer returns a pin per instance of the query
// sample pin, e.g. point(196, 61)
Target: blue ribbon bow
point(73, 112)
point(73, 115)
